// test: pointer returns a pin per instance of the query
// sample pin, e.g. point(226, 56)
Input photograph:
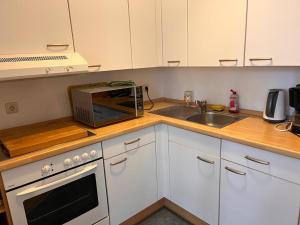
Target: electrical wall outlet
point(145, 86)
point(11, 107)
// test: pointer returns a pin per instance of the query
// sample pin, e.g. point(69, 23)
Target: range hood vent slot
point(33, 58)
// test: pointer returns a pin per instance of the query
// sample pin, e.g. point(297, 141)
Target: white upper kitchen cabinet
point(216, 32)
point(273, 33)
point(145, 39)
point(35, 26)
point(102, 33)
point(174, 29)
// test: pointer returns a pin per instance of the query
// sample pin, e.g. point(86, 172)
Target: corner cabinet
point(35, 26)
point(194, 173)
point(131, 174)
point(174, 30)
point(273, 33)
point(102, 33)
point(216, 32)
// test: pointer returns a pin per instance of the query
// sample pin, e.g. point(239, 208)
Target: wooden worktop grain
point(252, 131)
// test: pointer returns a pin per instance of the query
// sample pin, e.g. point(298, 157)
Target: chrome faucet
point(202, 105)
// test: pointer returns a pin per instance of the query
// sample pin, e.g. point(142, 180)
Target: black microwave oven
point(99, 105)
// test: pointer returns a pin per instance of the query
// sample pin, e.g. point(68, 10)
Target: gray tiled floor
point(164, 217)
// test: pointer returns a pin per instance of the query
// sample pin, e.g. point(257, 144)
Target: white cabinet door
point(144, 37)
point(216, 32)
point(29, 26)
point(131, 182)
point(101, 33)
point(174, 28)
point(194, 183)
point(256, 198)
point(273, 33)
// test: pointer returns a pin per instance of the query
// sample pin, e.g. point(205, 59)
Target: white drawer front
point(206, 144)
point(128, 142)
point(270, 163)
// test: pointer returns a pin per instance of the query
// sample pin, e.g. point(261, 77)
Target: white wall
point(46, 98)
point(214, 84)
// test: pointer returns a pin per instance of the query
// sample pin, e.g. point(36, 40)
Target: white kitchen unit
point(194, 173)
point(101, 33)
point(273, 33)
point(131, 174)
point(258, 187)
point(144, 37)
point(216, 32)
point(174, 29)
point(35, 26)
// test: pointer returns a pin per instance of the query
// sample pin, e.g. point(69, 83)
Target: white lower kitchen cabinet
point(131, 182)
point(250, 197)
point(194, 180)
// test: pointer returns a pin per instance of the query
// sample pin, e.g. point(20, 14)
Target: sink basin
point(213, 119)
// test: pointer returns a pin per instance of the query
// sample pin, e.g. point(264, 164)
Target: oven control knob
point(46, 169)
point(76, 159)
point(68, 162)
point(93, 154)
point(85, 156)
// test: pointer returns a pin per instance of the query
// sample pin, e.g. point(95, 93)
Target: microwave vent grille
point(32, 58)
point(83, 115)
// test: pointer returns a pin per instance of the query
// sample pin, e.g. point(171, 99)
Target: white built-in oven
point(65, 189)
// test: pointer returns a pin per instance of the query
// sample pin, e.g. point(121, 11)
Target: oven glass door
point(74, 197)
point(62, 204)
point(114, 106)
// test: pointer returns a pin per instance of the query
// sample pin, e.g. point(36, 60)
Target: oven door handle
point(55, 183)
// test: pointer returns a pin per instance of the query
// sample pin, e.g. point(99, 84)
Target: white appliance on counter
point(65, 189)
point(20, 66)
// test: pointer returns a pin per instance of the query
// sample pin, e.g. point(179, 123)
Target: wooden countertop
point(252, 131)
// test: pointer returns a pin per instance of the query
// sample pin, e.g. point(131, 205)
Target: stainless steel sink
point(213, 119)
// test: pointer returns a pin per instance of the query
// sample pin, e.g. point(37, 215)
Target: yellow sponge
point(217, 107)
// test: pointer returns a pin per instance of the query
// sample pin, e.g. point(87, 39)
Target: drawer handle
point(132, 142)
point(123, 160)
point(58, 45)
point(205, 160)
point(257, 160)
point(235, 171)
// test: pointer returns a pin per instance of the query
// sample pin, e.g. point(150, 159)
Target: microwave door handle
point(55, 183)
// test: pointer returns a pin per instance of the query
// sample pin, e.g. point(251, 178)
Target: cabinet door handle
point(95, 66)
point(228, 60)
point(58, 45)
point(260, 59)
point(174, 61)
point(205, 160)
point(123, 160)
point(235, 171)
point(132, 142)
point(257, 160)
